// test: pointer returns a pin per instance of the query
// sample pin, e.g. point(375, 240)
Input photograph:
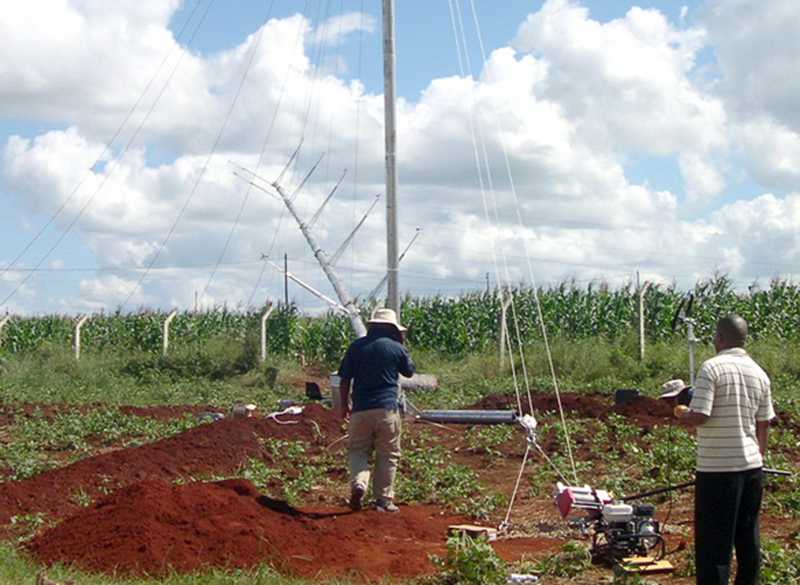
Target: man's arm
point(762, 434)
point(693, 418)
point(344, 397)
point(405, 364)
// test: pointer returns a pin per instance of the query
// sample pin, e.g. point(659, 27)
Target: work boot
point(355, 497)
point(386, 506)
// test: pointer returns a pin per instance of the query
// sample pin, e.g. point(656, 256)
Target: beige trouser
point(374, 430)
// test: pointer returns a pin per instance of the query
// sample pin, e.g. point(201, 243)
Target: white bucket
point(336, 401)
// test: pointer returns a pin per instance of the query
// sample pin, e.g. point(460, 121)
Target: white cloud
point(757, 52)
point(757, 49)
point(531, 163)
point(627, 85)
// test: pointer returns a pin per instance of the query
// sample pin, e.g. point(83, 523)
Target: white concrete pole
point(165, 331)
point(77, 336)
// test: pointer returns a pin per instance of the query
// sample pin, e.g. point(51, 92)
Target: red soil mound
point(575, 404)
point(645, 410)
point(152, 526)
point(212, 448)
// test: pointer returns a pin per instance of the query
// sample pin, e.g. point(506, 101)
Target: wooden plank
point(645, 565)
point(481, 532)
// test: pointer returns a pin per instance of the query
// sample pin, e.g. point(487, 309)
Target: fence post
point(264, 318)
point(640, 294)
point(3, 322)
point(505, 303)
point(165, 332)
point(77, 335)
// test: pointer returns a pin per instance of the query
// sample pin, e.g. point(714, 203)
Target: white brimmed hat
point(672, 388)
point(385, 317)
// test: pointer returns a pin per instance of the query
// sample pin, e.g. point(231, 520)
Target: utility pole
point(390, 136)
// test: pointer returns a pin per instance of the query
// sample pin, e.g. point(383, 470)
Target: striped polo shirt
point(733, 390)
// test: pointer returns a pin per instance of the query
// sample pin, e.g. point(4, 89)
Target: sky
point(538, 142)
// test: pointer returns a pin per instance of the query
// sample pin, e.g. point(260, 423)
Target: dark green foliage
point(325, 338)
point(452, 327)
point(29, 334)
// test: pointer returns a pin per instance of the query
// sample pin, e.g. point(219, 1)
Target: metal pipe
point(689, 484)
point(487, 417)
point(347, 301)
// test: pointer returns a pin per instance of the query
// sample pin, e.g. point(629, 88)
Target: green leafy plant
point(573, 559)
point(23, 460)
point(624, 578)
point(23, 526)
point(469, 561)
point(309, 471)
point(81, 497)
point(780, 564)
point(484, 439)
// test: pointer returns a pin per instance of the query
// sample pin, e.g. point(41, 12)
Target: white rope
point(481, 163)
point(292, 411)
point(488, 194)
point(504, 523)
point(530, 270)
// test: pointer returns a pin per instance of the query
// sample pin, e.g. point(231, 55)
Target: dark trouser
point(726, 509)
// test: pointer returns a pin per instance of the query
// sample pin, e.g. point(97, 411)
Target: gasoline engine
point(618, 529)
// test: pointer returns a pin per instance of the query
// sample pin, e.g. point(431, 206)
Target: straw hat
point(672, 388)
point(385, 317)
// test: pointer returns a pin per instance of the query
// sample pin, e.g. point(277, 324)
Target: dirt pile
point(645, 410)
point(213, 448)
point(153, 526)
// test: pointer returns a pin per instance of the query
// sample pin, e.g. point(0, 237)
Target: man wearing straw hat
point(675, 392)
point(373, 364)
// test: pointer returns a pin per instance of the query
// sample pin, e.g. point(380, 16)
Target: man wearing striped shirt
point(731, 408)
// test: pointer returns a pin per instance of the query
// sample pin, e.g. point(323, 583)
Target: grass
point(16, 569)
point(310, 470)
point(42, 442)
point(117, 378)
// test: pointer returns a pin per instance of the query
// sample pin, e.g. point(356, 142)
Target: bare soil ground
point(143, 522)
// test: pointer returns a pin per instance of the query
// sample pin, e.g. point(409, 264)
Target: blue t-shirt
point(373, 363)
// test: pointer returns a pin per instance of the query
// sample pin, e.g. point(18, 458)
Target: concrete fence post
point(640, 295)
point(264, 318)
point(77, 335)
point(165, 332)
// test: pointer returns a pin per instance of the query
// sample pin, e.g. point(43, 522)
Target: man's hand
point(689, 416)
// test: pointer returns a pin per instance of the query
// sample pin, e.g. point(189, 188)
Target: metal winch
point(619, 530)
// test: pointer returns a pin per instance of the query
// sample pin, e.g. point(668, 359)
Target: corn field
point(451, 326)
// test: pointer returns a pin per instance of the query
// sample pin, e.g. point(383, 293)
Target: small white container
point(617, 512)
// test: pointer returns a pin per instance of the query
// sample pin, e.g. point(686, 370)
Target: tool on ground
point(619, 530)
point(621, 527)
point(243, 410)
